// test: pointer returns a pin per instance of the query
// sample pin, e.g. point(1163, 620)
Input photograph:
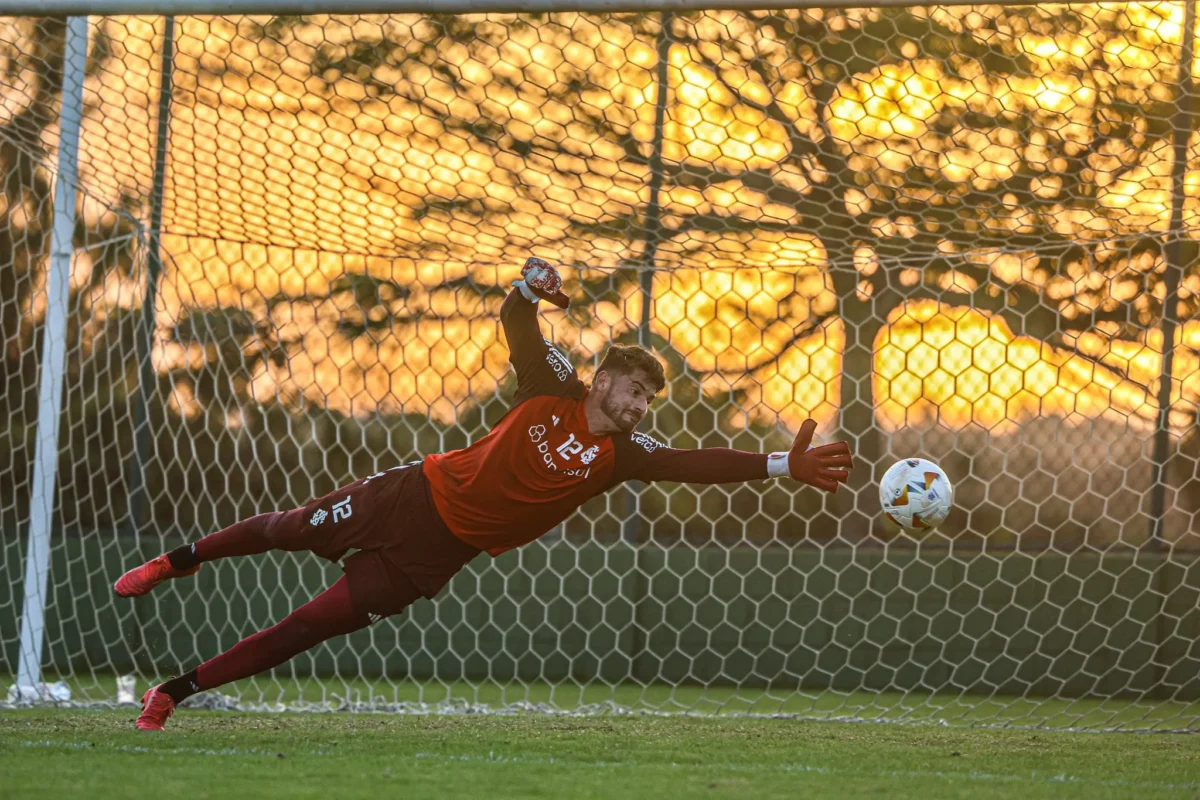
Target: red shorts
point(405, 551)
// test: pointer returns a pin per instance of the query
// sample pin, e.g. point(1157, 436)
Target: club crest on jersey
point(589, 455)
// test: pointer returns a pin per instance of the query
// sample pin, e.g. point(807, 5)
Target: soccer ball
point(916, 494)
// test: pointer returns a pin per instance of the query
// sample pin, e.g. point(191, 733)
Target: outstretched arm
point(644, 458)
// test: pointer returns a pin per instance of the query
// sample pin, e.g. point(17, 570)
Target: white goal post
point(961, 232)
point(54, 350)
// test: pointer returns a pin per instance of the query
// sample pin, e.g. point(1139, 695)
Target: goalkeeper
point(415, 526)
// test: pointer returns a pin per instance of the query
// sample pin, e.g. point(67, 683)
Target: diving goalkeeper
point(415, 526)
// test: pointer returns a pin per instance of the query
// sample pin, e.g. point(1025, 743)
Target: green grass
point(47, 753)
point(281, 688)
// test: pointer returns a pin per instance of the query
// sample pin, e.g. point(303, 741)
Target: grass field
point(48, 753)
point(281, 688)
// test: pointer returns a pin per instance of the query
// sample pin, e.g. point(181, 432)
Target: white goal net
point(962, 233)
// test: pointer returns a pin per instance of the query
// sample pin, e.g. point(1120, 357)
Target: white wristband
point(525, 290)
point(777, 466)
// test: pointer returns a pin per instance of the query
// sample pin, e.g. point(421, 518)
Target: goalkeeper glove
point(812, 465)
point(540, 281)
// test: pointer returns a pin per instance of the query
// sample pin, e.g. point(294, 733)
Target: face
point(624, 399)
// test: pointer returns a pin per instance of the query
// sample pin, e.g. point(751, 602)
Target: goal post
point(54, 349)
point(965, 233)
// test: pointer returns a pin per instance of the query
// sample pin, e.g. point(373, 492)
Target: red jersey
point(540, 462)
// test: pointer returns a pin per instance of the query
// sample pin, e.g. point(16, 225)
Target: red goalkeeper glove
point(815, 466)
point(540, 281)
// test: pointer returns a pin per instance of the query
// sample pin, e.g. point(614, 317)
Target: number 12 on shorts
point(342, 510)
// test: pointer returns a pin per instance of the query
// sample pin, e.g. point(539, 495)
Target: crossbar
point(302, 7)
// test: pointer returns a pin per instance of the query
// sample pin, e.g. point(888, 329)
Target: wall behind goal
point(942, 231)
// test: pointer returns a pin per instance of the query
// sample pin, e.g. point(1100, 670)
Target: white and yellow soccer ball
point(916, 494)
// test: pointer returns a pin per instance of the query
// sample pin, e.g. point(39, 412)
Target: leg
point(360, 515)
point(246, 538)
point(243, 538)
point(293, 531)
point(331, 613)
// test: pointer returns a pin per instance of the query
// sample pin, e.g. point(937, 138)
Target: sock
point(330, 614)
point(183, 558)
point(182, 688)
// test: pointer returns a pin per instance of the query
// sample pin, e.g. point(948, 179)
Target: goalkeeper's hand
point(540, 281)
point(816, 466)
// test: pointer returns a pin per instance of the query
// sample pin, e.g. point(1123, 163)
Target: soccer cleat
point(157, 708)
point(140, 580)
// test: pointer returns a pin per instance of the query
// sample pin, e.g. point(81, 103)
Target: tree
point(1015, 165)
point(912, 154)
point(108, 246)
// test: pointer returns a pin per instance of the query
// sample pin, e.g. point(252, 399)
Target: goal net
point(961, 233)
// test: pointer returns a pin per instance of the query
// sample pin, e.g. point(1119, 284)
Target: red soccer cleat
point(157, 708)
point(140, 580)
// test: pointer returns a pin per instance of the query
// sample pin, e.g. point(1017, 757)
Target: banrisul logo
point(537, 435)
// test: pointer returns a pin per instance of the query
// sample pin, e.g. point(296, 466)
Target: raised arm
point(526, 346)
point(641, 457)
point(540, 368)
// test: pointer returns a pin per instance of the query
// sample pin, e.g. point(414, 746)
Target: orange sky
point(280, 184)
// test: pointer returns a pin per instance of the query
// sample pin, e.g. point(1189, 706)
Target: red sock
point(245, 538)
point(329, 614)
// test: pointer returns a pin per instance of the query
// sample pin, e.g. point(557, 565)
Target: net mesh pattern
point(944, 232)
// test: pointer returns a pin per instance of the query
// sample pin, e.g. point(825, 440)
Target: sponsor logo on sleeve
point(558, 362)
point(648, 443)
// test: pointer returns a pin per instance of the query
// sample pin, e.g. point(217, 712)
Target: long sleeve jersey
point(541, 462)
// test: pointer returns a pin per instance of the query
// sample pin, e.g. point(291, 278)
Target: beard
point(619, 416)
